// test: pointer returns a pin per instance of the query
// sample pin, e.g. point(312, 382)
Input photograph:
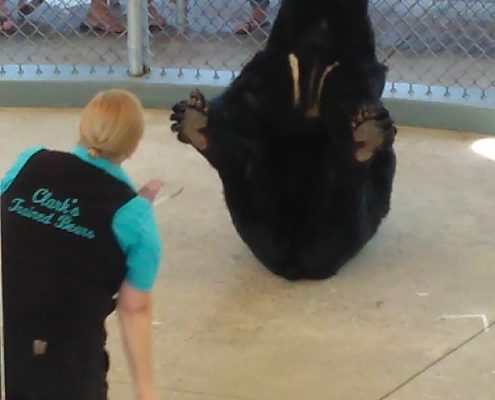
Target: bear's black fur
point(301, 140)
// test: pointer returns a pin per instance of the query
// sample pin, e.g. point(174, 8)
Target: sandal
point(101, 27)
point(250, 26)
point(30, 8)
point(103, 23)
point(157, 21)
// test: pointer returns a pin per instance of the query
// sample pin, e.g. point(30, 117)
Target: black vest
point(61, 262)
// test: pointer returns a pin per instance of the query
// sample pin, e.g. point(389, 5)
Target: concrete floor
point(389, 326)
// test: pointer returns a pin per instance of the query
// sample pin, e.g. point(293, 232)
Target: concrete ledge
point(437, 108)
point(413, 105)
point(67, 88)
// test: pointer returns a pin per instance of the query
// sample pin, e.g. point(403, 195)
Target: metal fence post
point(181, 16)
point(137, 37)
point(146, 37)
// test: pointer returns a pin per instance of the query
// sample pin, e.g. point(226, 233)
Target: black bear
point(301, 140)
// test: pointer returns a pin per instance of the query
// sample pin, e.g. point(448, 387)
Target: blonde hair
point(112, 125)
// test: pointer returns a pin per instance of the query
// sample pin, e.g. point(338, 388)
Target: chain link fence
point(53, 33)
point(448, 43)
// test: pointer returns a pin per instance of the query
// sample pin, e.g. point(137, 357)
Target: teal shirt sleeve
point(18, 165)
point(137, 233)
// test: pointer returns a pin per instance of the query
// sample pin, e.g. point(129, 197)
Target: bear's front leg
point(373, 130)
point(191, 118)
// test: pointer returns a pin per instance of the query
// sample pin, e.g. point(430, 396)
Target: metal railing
point(447, 43)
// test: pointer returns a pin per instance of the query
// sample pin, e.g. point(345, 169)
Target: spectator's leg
point(100, 19)
point(7, 26)
point(258, 17)
point(157, 21)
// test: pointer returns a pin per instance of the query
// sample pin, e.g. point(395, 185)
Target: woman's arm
point(134, 306)
point(134, 310)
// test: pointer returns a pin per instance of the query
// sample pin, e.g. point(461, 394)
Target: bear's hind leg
point(191, 118)
point(373, 130)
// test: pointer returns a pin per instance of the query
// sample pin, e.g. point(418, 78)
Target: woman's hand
point(151, 189)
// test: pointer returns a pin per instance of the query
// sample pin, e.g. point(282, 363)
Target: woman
point(75, 237)
point(99, 18)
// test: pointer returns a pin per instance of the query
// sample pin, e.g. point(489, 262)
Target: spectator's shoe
point(250, 26)
point(157, 21)
point(31, 7)
point(258, 20)
point(7, 26)
point(101, 21)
